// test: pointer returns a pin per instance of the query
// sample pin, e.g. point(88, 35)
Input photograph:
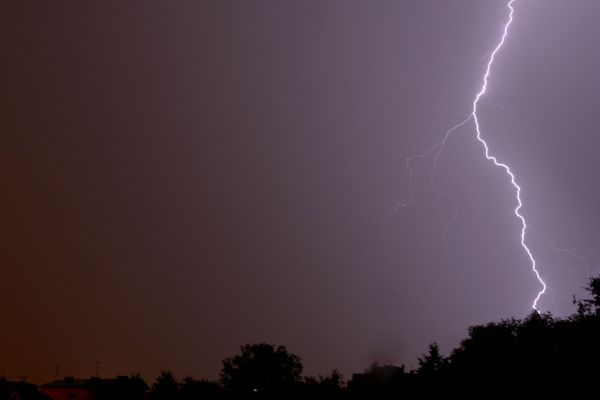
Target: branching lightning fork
point(437, 148)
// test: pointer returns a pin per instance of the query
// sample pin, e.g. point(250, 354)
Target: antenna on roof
point(97, 369)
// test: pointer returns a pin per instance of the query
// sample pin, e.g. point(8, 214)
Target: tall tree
point(432, 362)
point(590, 306)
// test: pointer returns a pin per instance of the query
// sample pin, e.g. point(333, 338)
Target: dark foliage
point(323, 387)
point(539, 355)
point(262, 371)
point(166, 387)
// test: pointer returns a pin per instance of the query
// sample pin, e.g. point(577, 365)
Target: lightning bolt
point(504, 166)
point(437, 149)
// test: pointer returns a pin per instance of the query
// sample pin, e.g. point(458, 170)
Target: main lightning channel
point(438, 147)
point(504, 166)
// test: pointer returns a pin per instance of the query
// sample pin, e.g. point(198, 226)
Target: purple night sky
point(180, 178)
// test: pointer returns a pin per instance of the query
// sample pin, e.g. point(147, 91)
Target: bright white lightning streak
point(502, 165)
point(439, 147)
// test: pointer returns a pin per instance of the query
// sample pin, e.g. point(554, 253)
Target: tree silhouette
point(590, 306)
point(166, 387)
point(323, 387)
point(433, 362)
point(262, 370)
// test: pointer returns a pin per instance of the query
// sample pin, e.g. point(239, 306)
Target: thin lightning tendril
point(571, 252)
point(437, 149)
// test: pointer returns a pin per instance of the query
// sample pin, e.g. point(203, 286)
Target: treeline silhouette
point(539, 355)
